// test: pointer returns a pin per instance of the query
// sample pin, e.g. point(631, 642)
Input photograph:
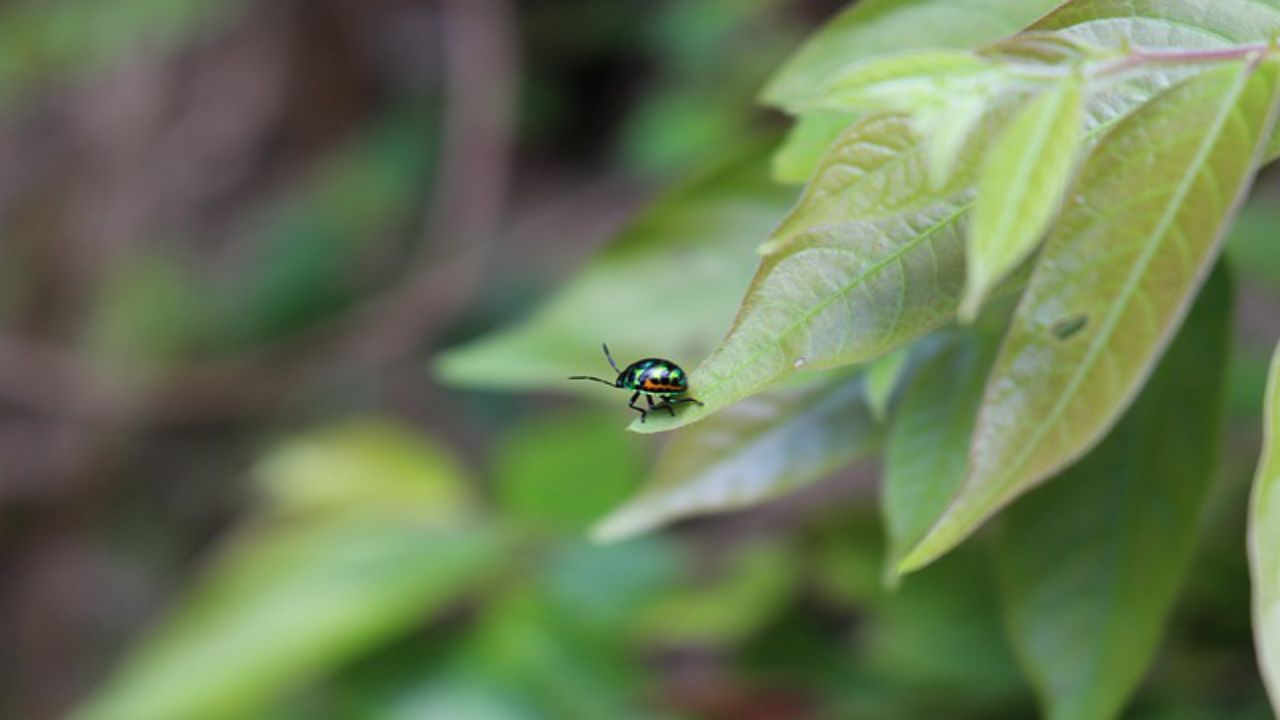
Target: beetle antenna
point(588, 377)
point(612, 364)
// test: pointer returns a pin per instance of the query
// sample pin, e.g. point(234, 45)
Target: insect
point(651, 377)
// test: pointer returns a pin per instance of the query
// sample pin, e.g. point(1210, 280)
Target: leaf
point(1175, 24)
point(840, 294)
point(686, 257)
point(883, 377)
point(1021, 188)
point(1264, 541)
point(928, 443)
point(325, 574)
point(1087, 623)
point(727, 608)
point(875, 27)
point(875, 169)
point(761, 448)
point(562, 472)
point(900, 81)
point(805, 144)
point(287, 604)
point(1112, 284)
point(365, 465)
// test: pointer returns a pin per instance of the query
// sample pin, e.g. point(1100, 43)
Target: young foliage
point(1112, 284)
point(1091, 564)
point(877, 27)
point(869, 29)
point(771, 444)
point(1021, 187)
point(1264, 541)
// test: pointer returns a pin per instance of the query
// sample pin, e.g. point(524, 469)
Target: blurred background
point(234, 234)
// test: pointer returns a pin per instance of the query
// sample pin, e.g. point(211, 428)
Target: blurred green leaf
point(312, 252)
point(724, 609)
point(806, 142)
point(1021, 188)
point(875, 27)
point(760, 448)
point(883, 376)
point(928, 444)
point(603, 589)
point(687, 257)
point(1111, 286)
point(1091, 564)
point(567, 675)
point(563, 472)
point(295, 595)
point(940, 634)
point(1264, 542)
point(285, 604)
point(366, 464)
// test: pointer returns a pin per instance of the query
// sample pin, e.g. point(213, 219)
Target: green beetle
point(651, 377)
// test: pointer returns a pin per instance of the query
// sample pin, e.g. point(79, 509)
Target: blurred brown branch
point(478, 42)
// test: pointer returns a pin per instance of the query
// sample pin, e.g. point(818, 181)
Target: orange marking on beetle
point(660, 387)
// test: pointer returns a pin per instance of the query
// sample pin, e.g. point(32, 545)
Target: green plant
point(1010, 226)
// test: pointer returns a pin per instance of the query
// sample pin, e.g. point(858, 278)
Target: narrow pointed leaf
point(1021, 188)
point(764, 447)
point(1127, 255)
point(874, 27)
point(928, 443)
point(1264, 542)
point(1086, 622)
point(899, 81)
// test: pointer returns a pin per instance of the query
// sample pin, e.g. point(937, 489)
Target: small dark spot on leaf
point(1065, 328)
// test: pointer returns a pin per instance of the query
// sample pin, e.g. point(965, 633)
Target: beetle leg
point(632, 404)
point(677, 401)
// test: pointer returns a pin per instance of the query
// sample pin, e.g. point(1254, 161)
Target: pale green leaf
point(874, 27)
point(840, 294)
point(1166, 24)
point(1264, 541)
point(1134, 242)
point(686, 257)
point(362, 537)
point(366, 464)
point(883, 377)
point(1021, 187)
point(1087, 622)
point(287, 604)
point(901, 81)
point(805, 144)
point(764, 447)
point(876, 168)
point(928, 443)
